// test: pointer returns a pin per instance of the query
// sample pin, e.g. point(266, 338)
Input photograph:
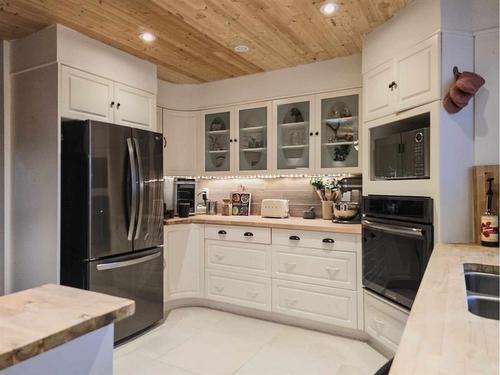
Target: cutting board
point(480, 174)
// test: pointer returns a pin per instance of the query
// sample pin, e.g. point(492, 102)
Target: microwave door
point(387, 155)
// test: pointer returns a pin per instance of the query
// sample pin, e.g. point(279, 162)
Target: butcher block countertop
point(293, 223)
point(441, 335)
point(35, 320)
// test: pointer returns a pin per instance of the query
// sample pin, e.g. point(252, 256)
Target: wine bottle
point(489, 220)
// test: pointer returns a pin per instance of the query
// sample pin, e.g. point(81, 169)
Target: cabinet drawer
point(237, 233)
point(316, 240)
point(384, 322)
point(238, 257)
point(314, 266)
point(328, 305)
point(238, 289)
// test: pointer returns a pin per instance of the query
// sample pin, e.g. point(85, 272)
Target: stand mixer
point(348, 209)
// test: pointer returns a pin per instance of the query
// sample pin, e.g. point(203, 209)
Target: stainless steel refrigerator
point(112, 216)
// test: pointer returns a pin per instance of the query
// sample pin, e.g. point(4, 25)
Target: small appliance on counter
point(348, 210)
point(180, 190)
point(276, 208)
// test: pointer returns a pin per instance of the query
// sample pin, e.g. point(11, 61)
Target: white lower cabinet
point(313, 302)
point(384, 322)
point(252, 259)
point(314, 266)
point(239, 289)
point(184, 259)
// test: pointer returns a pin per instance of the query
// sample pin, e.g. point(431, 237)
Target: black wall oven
point(397, 236)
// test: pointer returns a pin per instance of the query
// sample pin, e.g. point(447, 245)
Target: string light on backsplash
point(267, 176)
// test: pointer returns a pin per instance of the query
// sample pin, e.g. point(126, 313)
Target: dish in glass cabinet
point(217, 124)
point(293, 115)
point(339, 110)
point(219, 160)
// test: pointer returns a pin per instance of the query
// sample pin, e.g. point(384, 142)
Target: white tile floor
point(199, 341)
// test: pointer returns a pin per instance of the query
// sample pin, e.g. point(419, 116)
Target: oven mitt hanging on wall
point(465, 86)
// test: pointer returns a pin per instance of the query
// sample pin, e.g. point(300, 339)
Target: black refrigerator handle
point(141, 188)
point(133, 173)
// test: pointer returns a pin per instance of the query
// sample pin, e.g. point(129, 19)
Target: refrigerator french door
point(111, 216)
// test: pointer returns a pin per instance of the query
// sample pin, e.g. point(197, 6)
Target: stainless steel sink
point(483, 285)
point(486, 307)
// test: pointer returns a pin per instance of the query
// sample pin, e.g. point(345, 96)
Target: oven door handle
point(394, 229)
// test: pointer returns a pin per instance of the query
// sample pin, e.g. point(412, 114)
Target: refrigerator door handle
point(126, 263)
point(133, 173)
point(141, 188)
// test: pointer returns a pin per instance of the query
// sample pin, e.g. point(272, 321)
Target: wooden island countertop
point(292, 223)
point(441, 335)
point(35, 320)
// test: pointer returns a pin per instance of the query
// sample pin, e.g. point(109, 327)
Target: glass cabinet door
point(339, 132)
point(217, 142)
point(293, 139)
point(252, 140)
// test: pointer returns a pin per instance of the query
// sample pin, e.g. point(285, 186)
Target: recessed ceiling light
point(241, 48)
point(327, 8)
point(147, 37)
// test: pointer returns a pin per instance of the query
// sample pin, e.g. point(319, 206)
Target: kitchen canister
point(227, 207)
point(211, 207)
point(184, 209)
point(327, 210)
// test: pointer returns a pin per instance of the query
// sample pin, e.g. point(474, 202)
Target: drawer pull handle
point(219, 256)
point(332, 271)
point(290, 266)
point(290, 301)
point(248, 234)
point(253, 294)
point(328, 240)
point(294, 238)
point(222, 232)
point(219, 288)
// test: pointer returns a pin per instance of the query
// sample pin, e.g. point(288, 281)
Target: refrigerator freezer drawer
point(138, 276)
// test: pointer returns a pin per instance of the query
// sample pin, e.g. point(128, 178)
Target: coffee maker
point(347, 209)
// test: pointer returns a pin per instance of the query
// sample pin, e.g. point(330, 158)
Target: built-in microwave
point(402, 155)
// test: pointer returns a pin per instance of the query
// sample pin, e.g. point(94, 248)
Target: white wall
point(339, 73)
point(2, 174)
point(486, 111)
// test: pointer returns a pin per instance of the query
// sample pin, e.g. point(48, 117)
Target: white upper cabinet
point(378, 96)
point(417, 74)
point(86, 96)
point(180, 154)
point(253, 138)
point(293, 136)
point(218, 140)
point(408, 80)
point(135, 108)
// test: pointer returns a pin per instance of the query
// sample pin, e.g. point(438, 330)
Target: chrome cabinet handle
point(394, 229)
point(248, 234)
point(328, 240)
point(294, 238)
point(222, 232)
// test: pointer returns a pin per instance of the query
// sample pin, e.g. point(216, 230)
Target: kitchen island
point(441, 335)
point(54, 329)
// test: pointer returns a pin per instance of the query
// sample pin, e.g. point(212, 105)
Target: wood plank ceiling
point(195, 38)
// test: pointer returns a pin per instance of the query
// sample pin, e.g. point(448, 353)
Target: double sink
point(482, 284)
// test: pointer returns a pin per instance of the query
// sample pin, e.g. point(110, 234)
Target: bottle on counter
point(227, 207)
point(489, 220)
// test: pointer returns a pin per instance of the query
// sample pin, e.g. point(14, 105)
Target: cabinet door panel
point(378, 97)
point(217, 141)
point(86, 96)
point(180, 155)
point(417, 74)
point(185, 261)
point(134, 107)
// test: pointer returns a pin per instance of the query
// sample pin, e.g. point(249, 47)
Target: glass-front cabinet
point(217, 141)
point(252, 146)
point(293, 129)
point(337, 146)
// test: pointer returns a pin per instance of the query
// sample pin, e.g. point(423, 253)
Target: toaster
point(274, 208)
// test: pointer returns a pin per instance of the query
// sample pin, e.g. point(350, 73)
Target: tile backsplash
point(297, 190)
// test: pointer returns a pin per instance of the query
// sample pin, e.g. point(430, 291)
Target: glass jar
point(226, 207)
